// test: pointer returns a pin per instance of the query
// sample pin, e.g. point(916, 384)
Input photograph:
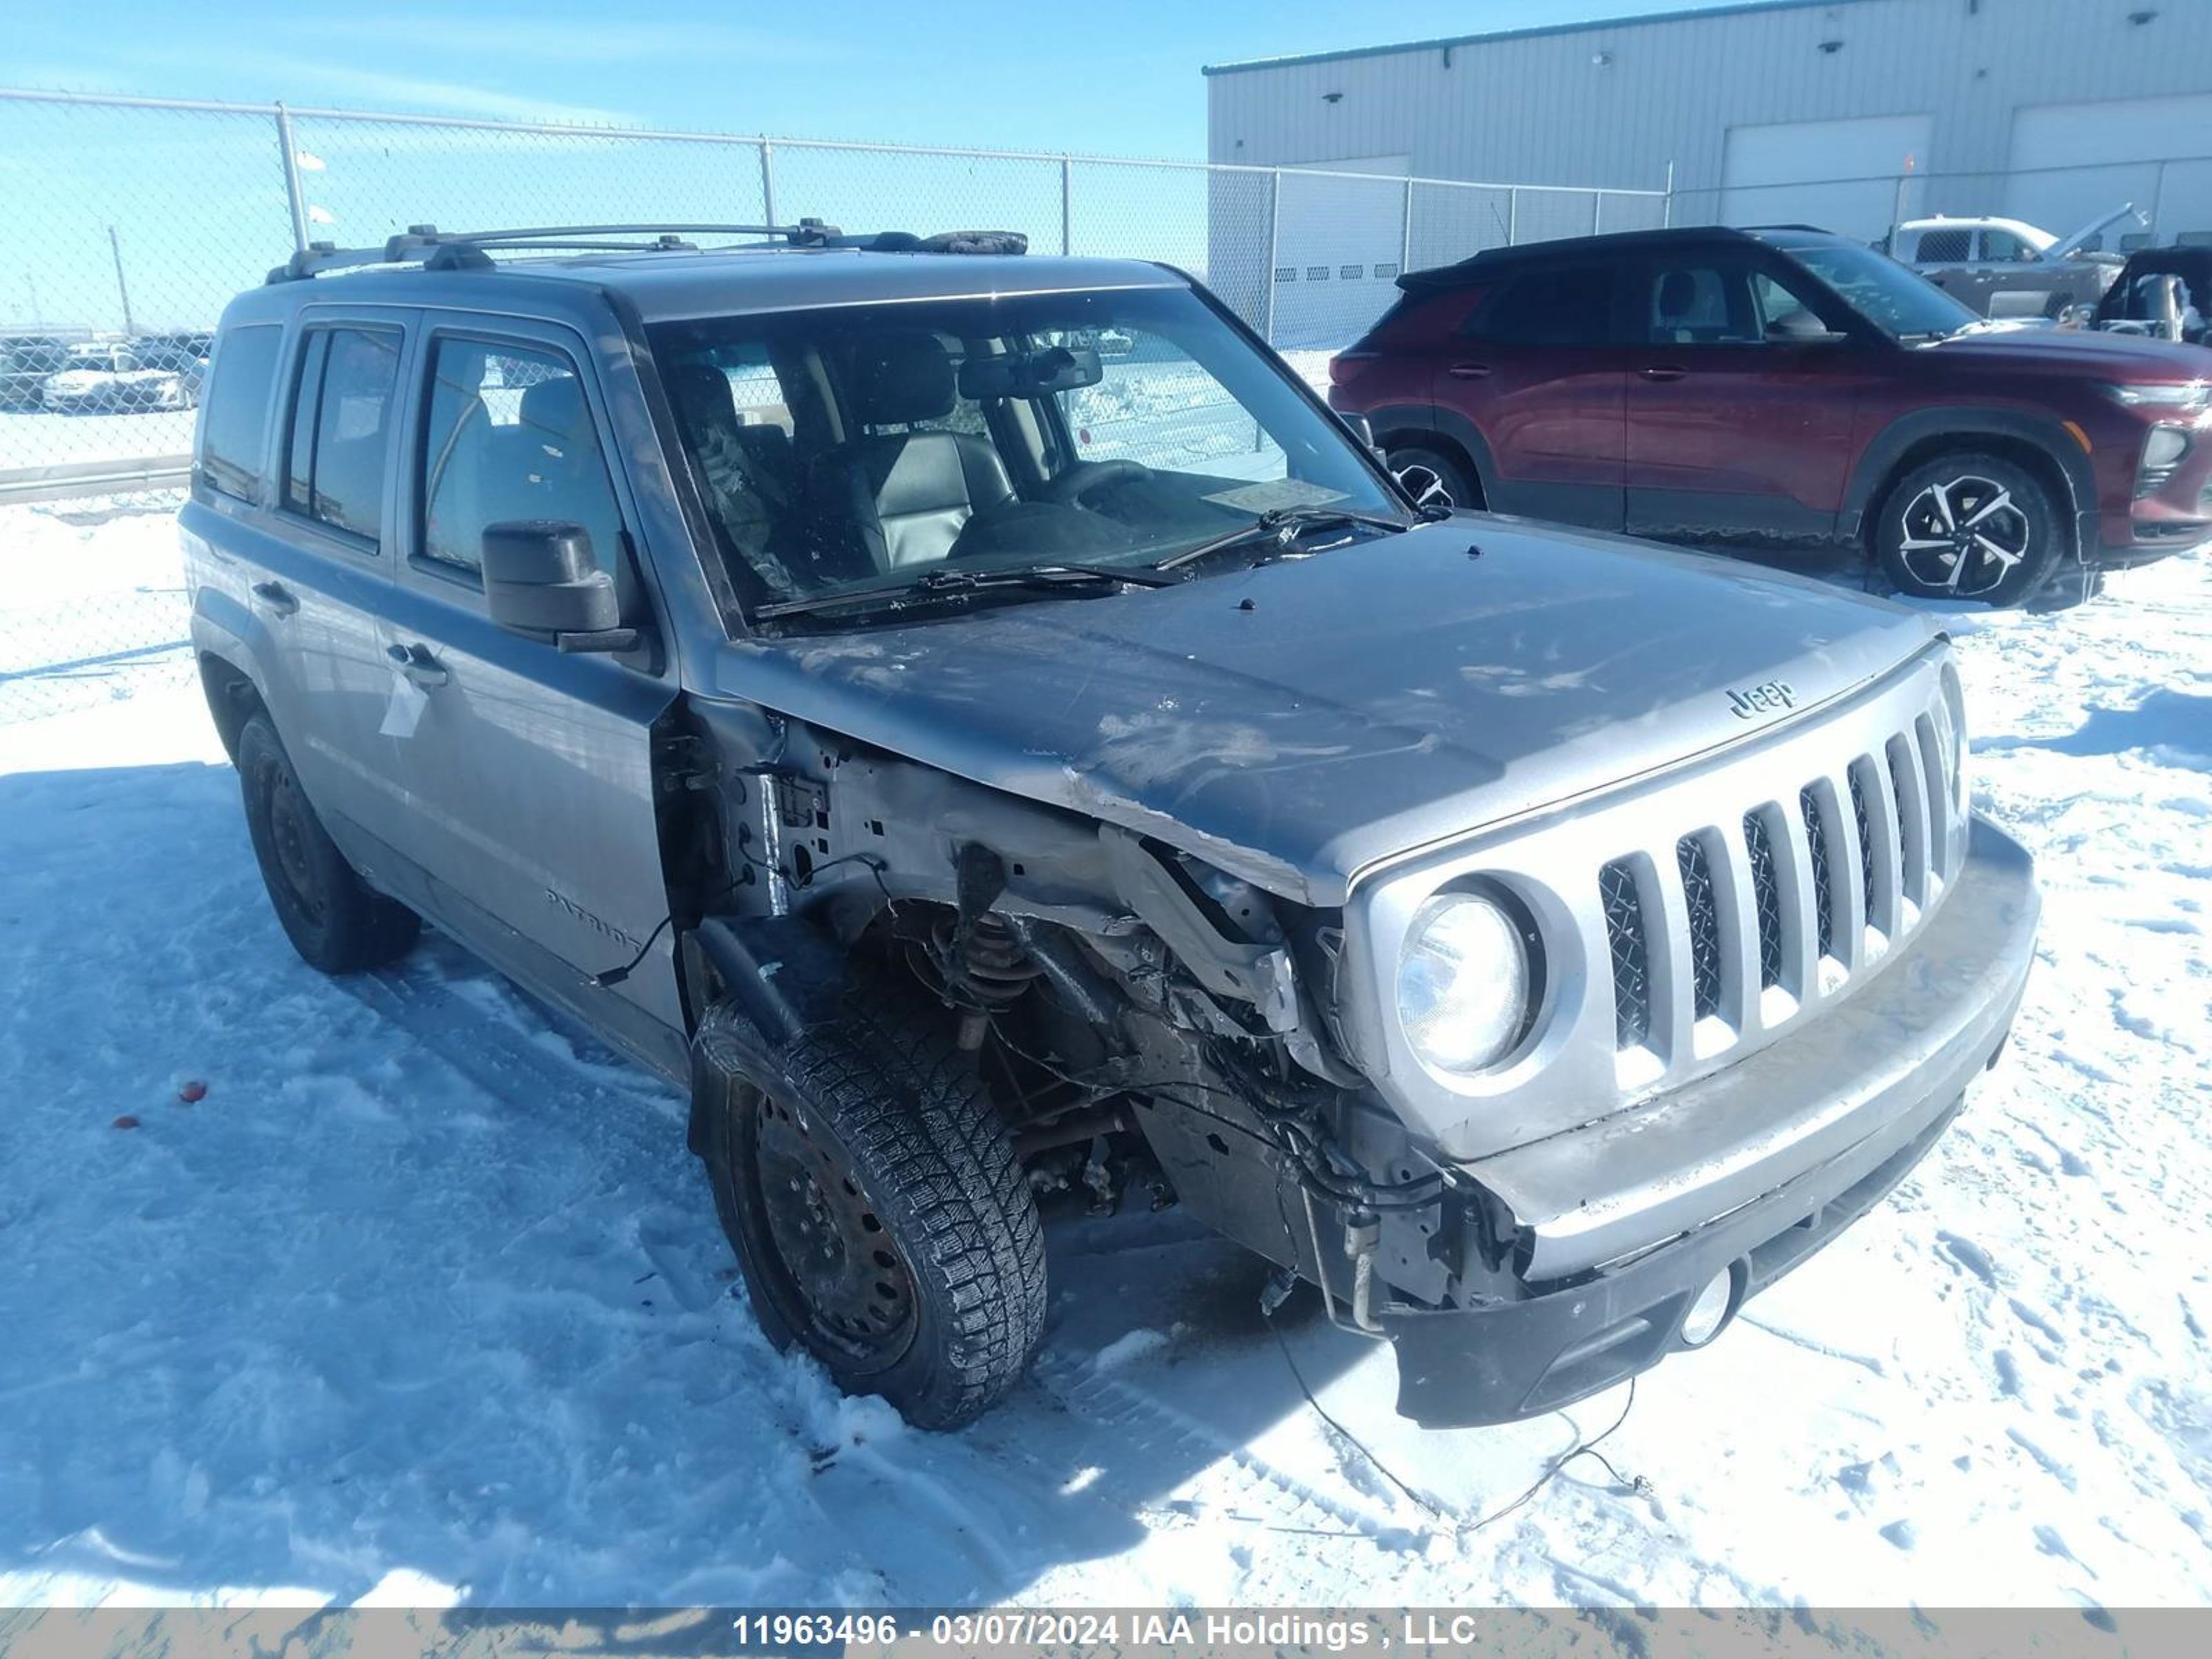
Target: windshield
point(1898, 301)
point(858, 449)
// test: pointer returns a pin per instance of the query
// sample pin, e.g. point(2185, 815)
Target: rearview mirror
point(541, 582)
point(1030, 374)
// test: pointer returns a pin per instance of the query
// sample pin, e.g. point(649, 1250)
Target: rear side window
point(1945, 248)
point(234, 418)
point(341, 417)
point(1570, 307)
point(509, 437)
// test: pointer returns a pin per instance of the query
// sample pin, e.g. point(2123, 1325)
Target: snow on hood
point(1298, 722)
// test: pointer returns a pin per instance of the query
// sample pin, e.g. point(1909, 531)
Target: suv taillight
point(1345, 364)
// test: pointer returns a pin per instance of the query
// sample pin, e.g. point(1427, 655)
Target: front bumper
point(1747, 1172)
point(2170, 516)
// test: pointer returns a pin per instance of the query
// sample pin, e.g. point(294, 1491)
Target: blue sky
point(197, 202)
point(1103, 78)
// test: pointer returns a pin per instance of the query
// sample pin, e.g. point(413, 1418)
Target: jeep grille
point(1632, 965)
point(1766, 890)
point(1847, 864)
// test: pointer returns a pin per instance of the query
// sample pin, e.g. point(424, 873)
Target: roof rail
point(447, 250)
point(440, 250)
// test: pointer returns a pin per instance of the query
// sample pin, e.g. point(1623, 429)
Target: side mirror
point(1360, 429)
point(541, 582)
point(1364, 435)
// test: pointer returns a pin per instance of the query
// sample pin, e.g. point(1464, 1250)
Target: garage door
point(1338, 242)
point(2106, 154)
point(1839, 175)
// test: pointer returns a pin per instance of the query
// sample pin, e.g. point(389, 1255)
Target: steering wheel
point(1088, 478)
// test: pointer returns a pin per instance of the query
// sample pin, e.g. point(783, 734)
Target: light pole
point(122, 288)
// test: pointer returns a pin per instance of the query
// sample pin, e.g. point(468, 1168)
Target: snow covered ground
point(34, 437)
point(424, 1299)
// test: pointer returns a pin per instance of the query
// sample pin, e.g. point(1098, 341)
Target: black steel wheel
point(872, 1197)
point(835, 1258)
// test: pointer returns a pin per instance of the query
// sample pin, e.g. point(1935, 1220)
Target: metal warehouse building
point(1847, 113)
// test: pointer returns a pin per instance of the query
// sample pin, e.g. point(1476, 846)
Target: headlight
point(1465, 985)
point(2171, 394)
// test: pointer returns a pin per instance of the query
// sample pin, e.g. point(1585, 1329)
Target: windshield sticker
point(1282, 492)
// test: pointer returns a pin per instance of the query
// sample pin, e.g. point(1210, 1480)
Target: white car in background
point(161, 372)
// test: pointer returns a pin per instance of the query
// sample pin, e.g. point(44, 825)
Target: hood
point(2069, 245)
point(2075, 351)
point(1297, 723)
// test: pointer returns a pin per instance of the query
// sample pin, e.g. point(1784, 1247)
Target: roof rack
point(447, 250)
point(441, 249)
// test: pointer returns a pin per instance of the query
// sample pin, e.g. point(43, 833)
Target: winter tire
point(1971, 526)
point(1432, 478)
point(872, 1197)
point(335, 921)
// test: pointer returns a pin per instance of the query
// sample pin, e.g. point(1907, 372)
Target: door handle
point(415, 661)
point(1467, 371)
point(1664, 372)
point(277, 596)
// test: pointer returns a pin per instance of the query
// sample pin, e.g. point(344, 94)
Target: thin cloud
point(304, 79)
point(571, 40)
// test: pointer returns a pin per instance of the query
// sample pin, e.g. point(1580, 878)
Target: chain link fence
point(132, 221)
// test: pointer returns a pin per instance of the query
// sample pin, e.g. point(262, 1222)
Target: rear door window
point(234, 418)
point(341, 426)
point(1570, 305)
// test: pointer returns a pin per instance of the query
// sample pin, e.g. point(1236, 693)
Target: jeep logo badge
point(1769, 697)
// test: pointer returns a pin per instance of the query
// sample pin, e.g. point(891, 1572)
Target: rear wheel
point(873, 1199)
point(336, 920)
point(1970, 526)
point(1433, 478)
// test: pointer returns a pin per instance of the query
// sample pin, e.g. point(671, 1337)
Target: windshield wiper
point(941, 582)
point(1281, 526)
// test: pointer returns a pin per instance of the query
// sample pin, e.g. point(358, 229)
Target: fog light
point(2164, 446)
point(1710, 1311)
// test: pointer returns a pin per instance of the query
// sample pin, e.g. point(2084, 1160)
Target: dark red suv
point(1785, 385)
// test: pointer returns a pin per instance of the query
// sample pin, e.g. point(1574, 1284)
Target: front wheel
point(1432, 478)
point(1970, 526)
point(873, 1199)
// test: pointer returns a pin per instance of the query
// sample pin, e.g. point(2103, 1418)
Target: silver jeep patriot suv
point(984, 728)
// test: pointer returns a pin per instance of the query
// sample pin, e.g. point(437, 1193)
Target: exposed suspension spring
point(997, 968)
point(991, 965)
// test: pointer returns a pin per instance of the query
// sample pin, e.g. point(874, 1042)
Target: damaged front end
point(1591, 1191)
point(1106, 984)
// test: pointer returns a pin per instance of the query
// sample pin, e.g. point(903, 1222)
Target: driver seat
point(907, 495)
point(1677, 301)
